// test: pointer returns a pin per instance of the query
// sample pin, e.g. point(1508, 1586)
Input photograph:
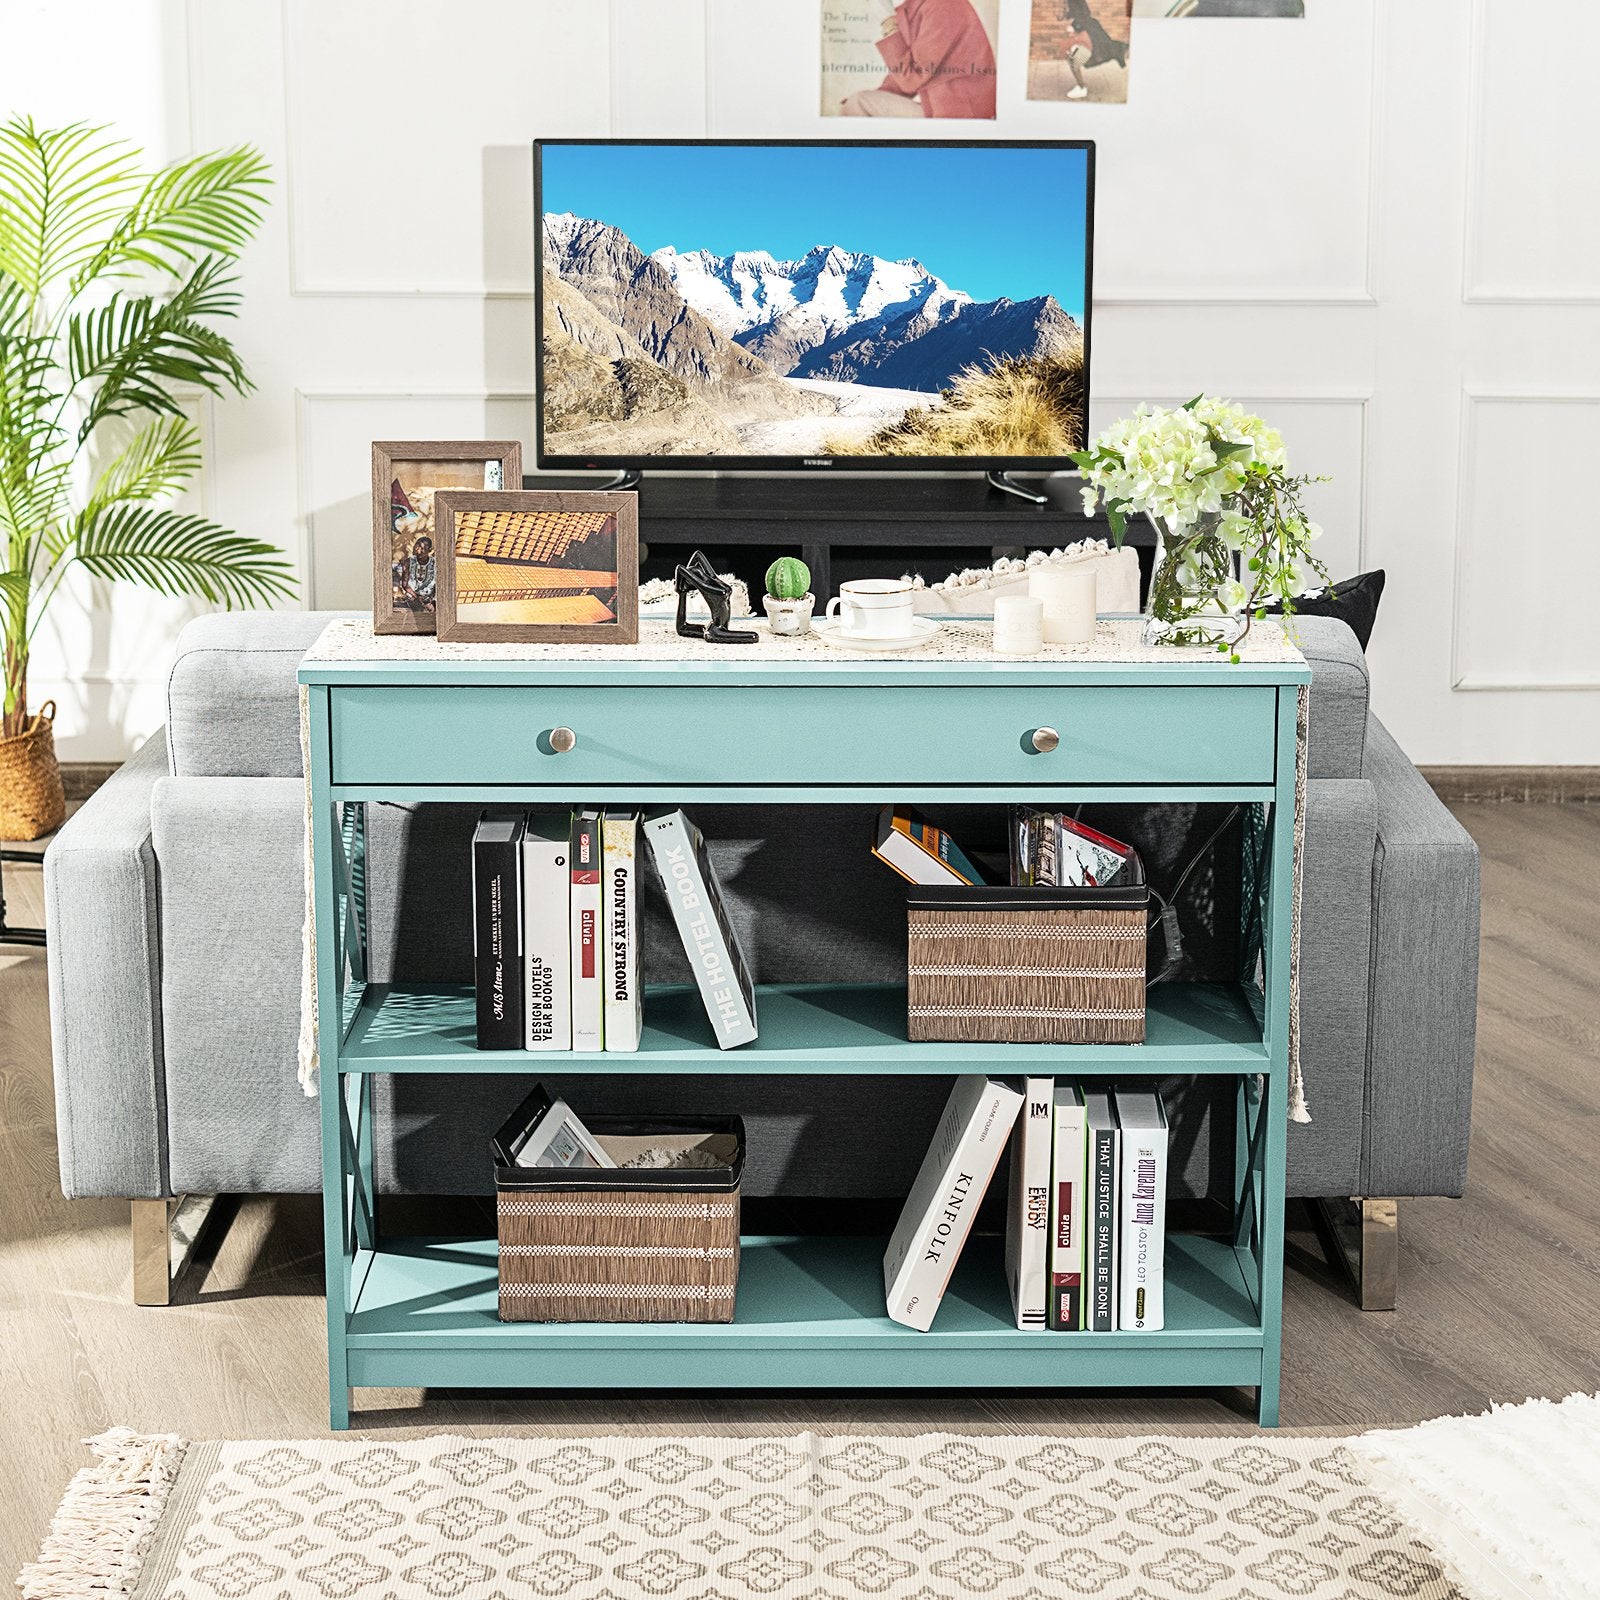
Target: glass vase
point(1179, 610)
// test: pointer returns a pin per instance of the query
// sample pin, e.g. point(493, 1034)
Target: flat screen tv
point(919, 304)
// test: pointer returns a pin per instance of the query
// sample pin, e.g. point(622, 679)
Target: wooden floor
point(1499, 1292)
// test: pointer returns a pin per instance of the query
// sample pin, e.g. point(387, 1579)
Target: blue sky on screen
point(988, 220)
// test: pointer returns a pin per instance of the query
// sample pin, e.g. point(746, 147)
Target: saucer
point(828, 630)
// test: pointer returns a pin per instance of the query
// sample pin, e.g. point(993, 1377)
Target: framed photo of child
point(538, 566)
point(406, 475)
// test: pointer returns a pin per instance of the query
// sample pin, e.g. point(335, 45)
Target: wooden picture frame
point(400, 467)
point(595, 525)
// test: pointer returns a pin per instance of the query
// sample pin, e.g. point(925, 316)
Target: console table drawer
point(888, 737)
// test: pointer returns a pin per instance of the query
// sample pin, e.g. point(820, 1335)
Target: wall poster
point(920, 58)
point(1219, 8)
point(1078, 50)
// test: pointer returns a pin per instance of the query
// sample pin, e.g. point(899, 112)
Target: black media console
point(845, 526)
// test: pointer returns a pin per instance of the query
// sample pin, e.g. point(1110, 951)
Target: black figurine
point(698, 576)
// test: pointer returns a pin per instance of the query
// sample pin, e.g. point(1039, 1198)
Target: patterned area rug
point(933, 1517)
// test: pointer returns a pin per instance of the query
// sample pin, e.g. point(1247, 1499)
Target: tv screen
point(724, 304)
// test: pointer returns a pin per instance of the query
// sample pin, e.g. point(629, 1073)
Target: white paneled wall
point(1379, 226)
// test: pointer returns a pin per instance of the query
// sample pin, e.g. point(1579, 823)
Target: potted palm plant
point(112, 280)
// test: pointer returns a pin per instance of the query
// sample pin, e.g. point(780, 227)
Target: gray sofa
point(175, 908)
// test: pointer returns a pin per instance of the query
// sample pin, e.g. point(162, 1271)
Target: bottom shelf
point(809, 1315)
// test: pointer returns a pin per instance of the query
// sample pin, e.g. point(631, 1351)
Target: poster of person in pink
point(918, 58)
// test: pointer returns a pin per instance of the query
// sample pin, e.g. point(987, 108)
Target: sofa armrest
point(105, 988)
point(1335, 941)
point(1423, 981)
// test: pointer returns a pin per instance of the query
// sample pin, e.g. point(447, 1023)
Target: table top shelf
point(806, 1029)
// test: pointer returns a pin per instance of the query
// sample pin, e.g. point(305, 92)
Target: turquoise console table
point(667, 722)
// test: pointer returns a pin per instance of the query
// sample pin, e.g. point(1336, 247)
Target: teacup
point(874, 608)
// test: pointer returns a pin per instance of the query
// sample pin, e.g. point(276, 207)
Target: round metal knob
point(1045, 740)
point(562, 740)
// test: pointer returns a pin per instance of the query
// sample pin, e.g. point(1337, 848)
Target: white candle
point(1018, 625)
point(1071, 598)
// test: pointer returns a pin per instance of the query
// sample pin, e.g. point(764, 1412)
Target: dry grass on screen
point(1024, 406)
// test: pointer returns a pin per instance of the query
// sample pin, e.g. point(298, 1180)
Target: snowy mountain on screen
point(853, 317)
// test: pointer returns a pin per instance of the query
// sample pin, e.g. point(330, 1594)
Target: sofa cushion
point(1353, 600)
point(233, 710)
point(1337, 736)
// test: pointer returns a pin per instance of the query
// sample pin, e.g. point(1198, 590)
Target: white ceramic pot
point(789, 617)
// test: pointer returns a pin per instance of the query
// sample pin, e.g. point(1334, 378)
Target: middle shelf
point(806, 1029)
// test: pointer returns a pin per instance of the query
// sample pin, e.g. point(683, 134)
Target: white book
point(1028, 1219)
point(588, 983)
point(1143, 1201)
point(709, 941)
point(1068, 1157)
point(950, 1186)
point(561, 1140)
point(547, 931)
point(624, 1006)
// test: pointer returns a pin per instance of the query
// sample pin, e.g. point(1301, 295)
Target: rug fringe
point(107, 1518)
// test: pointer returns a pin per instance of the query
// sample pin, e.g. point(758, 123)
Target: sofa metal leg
point(165, 1233)
point(1379, 1279)
point(1363, 1237)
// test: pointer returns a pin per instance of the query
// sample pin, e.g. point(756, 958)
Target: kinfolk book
point(1028, 1220)
point(708, 938)
point(950, 1186)
point(624, 1009)
point(547, 931)
point(1143, 1199)
point(588, 989)
point(1067, 1172)
point(497, 929)
point(1100, 1241)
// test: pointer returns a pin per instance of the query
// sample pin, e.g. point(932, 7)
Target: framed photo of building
point(406, 474)
point(538, 566)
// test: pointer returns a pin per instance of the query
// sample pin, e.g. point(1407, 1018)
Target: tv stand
point(1005, 484)
point(629, 478)
point(846, 524)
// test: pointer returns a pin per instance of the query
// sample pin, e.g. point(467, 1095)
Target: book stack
point(1086, 1229)
point(554, 936)
point(556, 929)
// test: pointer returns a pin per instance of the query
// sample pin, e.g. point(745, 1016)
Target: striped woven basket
point(1027, 966)
point(622, 1244)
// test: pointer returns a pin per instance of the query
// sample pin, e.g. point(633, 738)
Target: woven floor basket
point(620, 1244)
point(1027, 966)
point(31, 801)
point(618, 1255)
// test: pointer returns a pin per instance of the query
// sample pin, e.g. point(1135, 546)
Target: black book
point(1100, 1238)
point(497, 928)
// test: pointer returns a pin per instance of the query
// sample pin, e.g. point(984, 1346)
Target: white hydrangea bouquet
point(1235, 535)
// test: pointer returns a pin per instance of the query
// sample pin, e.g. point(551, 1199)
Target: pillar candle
point(1070, 596)
point(1018, 625)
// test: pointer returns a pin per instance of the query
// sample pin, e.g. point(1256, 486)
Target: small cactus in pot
point(788, 601)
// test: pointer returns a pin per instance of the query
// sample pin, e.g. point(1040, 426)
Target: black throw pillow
point(1355, 601)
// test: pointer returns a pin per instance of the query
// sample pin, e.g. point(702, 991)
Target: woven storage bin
point(31, 801)
point(621, 1245)
point(1028, 966)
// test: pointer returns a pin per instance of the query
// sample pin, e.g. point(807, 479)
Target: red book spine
point(1066, 1288)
